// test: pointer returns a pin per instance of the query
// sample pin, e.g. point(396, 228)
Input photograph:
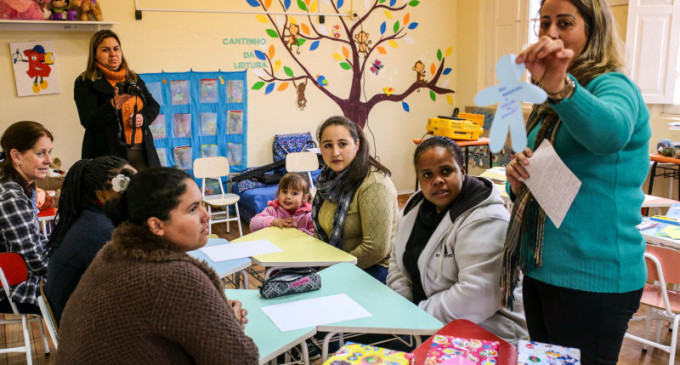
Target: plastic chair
point(215, 168)
point(303, 162)
point(664, 304)
point(13, 272)
point(48, 316)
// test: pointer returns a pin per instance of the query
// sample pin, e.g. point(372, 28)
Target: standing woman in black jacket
point(116, 120)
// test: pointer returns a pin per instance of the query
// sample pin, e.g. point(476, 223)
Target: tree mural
point(300, 39)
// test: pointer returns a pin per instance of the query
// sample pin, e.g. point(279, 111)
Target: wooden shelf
point(54, 25)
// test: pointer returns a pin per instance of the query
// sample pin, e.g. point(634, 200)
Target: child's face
point(290, 199)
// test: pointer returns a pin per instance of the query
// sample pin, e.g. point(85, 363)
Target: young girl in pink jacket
point(290, 210)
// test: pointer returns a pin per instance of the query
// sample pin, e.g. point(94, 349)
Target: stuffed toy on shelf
point(88, 10)
point(61, 10)
point(22, 9)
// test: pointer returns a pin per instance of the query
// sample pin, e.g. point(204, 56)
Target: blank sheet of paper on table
point(313, 312)
point(240, 250)
point(551, 182)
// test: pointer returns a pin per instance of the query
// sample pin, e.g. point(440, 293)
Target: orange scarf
point(128, 107)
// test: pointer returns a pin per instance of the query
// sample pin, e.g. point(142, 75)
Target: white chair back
point(211, 167)
point(303, 162)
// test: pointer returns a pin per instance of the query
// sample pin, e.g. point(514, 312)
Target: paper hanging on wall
point(35, 68)
point(509, 94)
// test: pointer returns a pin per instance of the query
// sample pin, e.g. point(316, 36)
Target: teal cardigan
point(604, 140)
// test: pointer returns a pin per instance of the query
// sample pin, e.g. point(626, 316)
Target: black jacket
point(102, 123)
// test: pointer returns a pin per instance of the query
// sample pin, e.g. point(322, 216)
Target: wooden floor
point(11, 336)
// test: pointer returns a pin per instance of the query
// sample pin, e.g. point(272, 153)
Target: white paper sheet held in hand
point(551, 182)
point(313, 312)
point(239, 250)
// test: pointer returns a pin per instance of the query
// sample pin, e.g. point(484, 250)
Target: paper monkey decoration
point(292, 39)
point(419, 68)
point(363, 41)
point(300, 90)
point(509, 94)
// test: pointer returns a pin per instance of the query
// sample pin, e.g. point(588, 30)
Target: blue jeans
point(378, 272)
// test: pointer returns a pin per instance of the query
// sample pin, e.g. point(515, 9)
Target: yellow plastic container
point(455, 129)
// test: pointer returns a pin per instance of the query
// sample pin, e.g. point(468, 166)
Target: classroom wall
point(183, 41)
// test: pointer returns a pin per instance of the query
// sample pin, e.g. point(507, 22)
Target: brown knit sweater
point(143, 302)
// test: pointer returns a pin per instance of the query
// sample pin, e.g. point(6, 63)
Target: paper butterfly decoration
point(509, 94)
point(336, 31)
point(377, 66)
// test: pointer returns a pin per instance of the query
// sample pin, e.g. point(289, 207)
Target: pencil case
point(290, 281)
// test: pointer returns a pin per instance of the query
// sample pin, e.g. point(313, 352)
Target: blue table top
point(223, 268)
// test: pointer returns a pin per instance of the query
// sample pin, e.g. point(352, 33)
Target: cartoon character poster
point(35, 68)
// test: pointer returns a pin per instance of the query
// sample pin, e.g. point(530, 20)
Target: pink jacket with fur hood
point(302, 216)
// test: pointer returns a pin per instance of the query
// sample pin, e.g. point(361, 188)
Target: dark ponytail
point(82, 181)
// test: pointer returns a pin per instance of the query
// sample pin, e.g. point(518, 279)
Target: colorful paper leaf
point(414, 3)
point(269, 88)
point(307, 3)
point(448, 51)
point(305, 28)
point(288, 71)
point(286, 4)
point(449, 99)
point(277, 65)
point(345, 52)
point(433, 96)
point(405, 106)
point(314, 46)
point(338, 57)
point(392, 2)
point(253, 3)
point(447, 71)
point(381, 1)
point(439, 55)
point(413, 26)
point(345, 65)
point(261, 18)
point(340, 3)
point(292, 20)
point(272, 33)
point(407, 17)
point(301, 4)
point(381, 50)
point(283, 86)
point(433, 68)
point(383, 28)
point(258, 85)
point(388, 14)
point(396, 26)
point(314, 7)
point(271, 52)
point(267, 4)
point(301, 41)
point(260, 55)
point(322, 29)
point(393, 43)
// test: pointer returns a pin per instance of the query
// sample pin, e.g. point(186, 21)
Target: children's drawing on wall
point(234, 122)
point(179, 90)
point(208, 150)
point(156, 91)
point(355, 46)
point(183, 159)
point(157, 127)
point(35, 71)
point(234, 153)
point(181, 125)
point(208, 124)
point(234, 91)
point(208, 91)
point(162, 156)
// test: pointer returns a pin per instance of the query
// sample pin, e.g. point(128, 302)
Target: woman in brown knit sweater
point(116, 121)
point(143, 300)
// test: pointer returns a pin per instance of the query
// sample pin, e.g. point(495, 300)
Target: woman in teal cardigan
point(583, 280)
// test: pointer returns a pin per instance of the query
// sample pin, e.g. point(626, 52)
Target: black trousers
point(24, 308)
point(595, 323)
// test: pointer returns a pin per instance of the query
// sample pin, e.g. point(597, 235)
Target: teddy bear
point(22, 9)
point(88, 9)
